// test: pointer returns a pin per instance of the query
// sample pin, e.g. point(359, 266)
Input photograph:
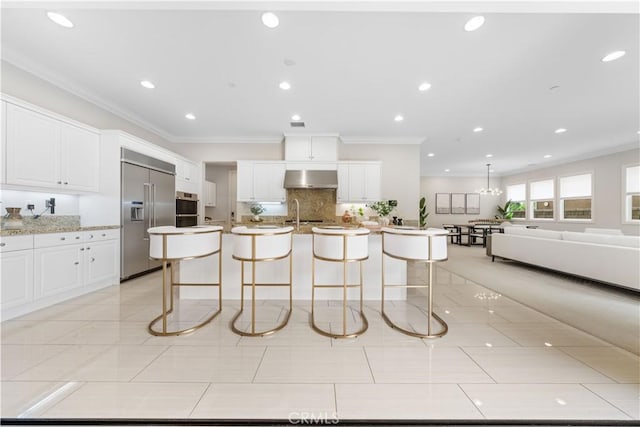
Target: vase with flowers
point(383, 208)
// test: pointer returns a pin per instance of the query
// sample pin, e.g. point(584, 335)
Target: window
point(517, 194)
point(632, 194)
point(575, 197)
point(542, 196)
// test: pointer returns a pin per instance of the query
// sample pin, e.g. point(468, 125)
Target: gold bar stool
point(345, 246)
point(171, 244)
point(255, 245)
point(427, 246)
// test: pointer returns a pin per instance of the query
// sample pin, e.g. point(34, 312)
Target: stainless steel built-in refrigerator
point(148, 196)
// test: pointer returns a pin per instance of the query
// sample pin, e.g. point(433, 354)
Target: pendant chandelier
point(488, 191)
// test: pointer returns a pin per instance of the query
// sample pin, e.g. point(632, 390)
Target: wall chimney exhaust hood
point(311, 179)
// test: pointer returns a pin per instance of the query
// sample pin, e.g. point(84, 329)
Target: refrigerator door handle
point(153, 191)
point(148, 206)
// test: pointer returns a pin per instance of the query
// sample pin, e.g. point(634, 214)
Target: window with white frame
point(517, 193)
point(632, 193)
point(542, 196)
point(576, 197)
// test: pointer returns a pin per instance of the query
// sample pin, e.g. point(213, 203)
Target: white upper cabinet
point(210, 194)
point(187, 176)
point(311, 148)
point(42, 151)
point(261, 182)
point(359, 182)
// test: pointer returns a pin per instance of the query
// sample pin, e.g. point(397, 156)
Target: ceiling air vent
point(297, 124)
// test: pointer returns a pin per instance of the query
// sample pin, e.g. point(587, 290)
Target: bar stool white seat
point(345, 245)
point(174, 244)
point(256, 245)
point(427, 246)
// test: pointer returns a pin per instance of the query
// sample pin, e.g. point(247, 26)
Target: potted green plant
point(423, 213)
point(509, 209)
point(256, 210)
point(383, 208)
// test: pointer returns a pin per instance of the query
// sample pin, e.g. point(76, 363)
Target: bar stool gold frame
point(345, 262)
point(175, 262)
point(253, 260)
point(430, 313)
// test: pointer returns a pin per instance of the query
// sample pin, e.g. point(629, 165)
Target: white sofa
point(609, 258)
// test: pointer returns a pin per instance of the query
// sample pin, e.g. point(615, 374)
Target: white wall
point(607, 205)
point(429, 186)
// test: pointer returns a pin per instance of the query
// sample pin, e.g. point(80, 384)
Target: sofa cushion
point(602, 239)
point(611, 231)
point(533, 232)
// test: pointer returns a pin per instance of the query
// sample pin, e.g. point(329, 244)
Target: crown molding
point(229, 140)
point(383, 140)
point(31, 67)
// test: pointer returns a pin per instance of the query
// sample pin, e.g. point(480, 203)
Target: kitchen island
point(200, 270)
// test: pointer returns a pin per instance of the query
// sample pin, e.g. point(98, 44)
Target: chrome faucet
point(297, 214)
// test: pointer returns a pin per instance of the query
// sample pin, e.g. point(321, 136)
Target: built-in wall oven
point(186, 209)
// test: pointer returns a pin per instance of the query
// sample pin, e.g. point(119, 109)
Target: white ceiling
point(357, 65)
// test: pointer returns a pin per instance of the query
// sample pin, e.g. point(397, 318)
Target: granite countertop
point(54, 229)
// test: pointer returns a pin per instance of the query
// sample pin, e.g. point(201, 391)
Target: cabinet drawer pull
point(91, 236)
point(104, 234)
point(82, 249)
point(76, 263)
point(88, 248)
point(2, 245)
point(92, 259)
point(63, 238)
point(66, 183)
point(77, 237)
point(59, 182)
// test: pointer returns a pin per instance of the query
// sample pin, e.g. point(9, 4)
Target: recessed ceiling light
point(474, 23)
point(547, 156)
point(488, 344)
point(447, 170)
point(561, 401)
point(554, 87)
point(60, 19)
point(147, 84)
point(613, 56)
point(489, 155)
point(295, 117)
point(424, 86)
point(285, 85)
point(548, 344)
point(190, 116)
point(270, 20)
point(638, 132)
point(478, 129)
point(560, 130)
point(398, 118)
point(430, 154)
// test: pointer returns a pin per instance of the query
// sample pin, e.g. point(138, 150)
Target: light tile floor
point(92, 357)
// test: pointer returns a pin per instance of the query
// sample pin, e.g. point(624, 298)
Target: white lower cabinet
point(100, 262)
point(57, 269)
point(44, 269)
point(17, 278)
